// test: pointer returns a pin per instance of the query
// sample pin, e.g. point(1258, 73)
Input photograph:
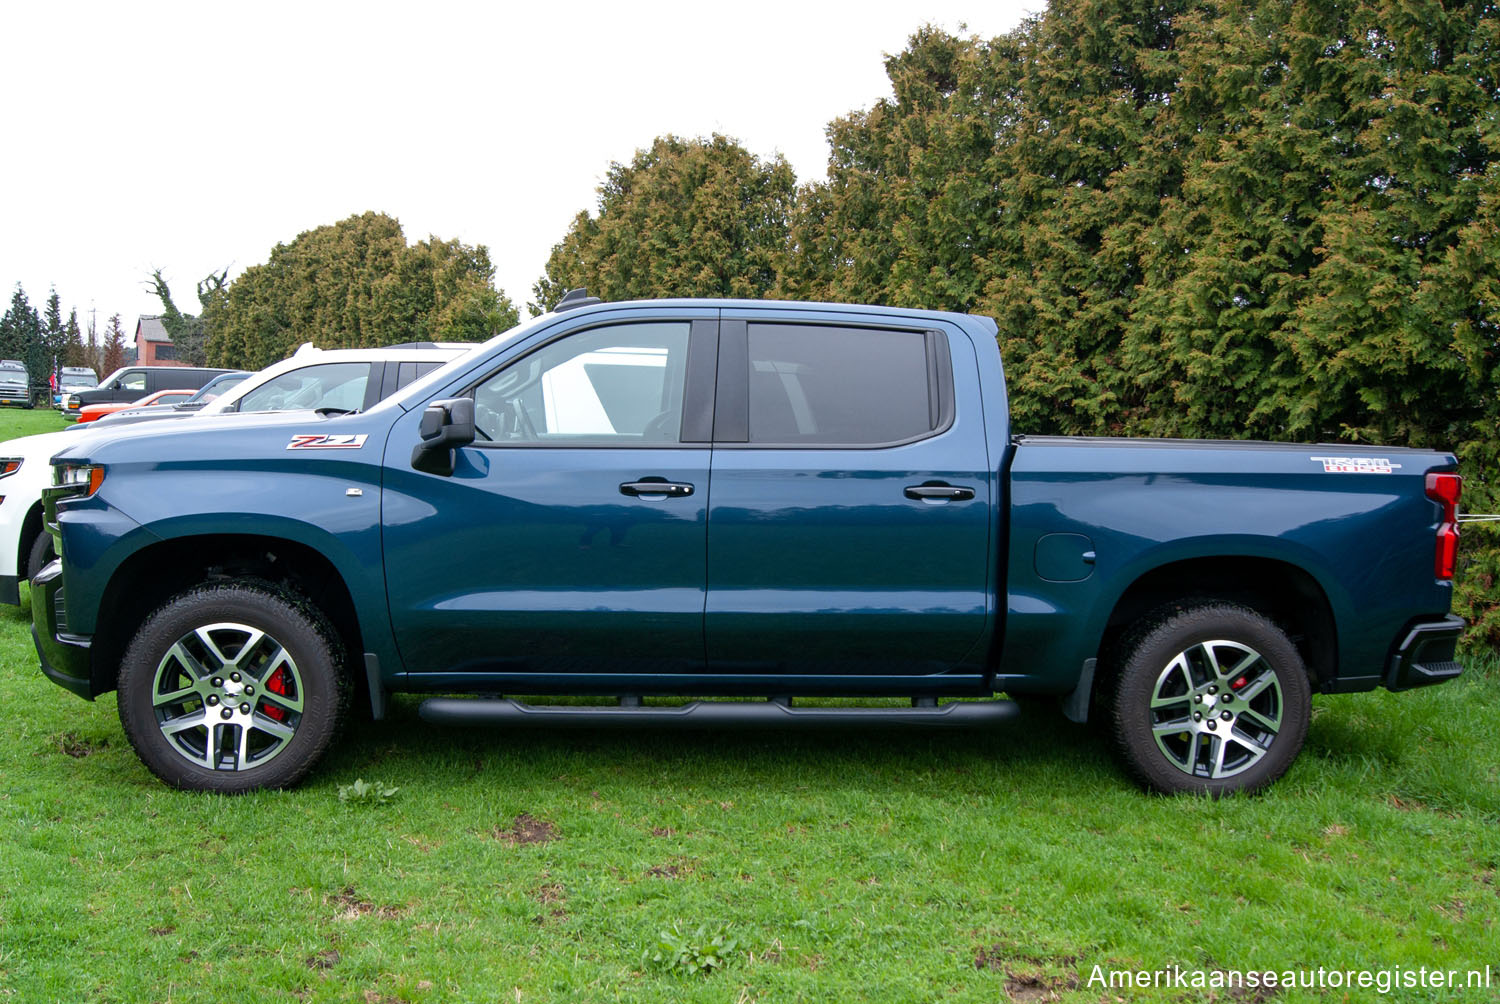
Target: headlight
point(9, 466)
point(86, 476)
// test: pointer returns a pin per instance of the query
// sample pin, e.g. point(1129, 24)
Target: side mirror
point(446, 426)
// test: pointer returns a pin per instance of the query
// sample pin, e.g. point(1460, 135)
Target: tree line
point(44, 342)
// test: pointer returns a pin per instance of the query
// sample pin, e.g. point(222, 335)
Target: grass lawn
point(884, 867)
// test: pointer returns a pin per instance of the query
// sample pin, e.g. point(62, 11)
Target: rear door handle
point(935, 492)
point(656, 489)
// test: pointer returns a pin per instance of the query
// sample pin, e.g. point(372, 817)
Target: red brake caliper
point(1236, 685)
point(276, 685)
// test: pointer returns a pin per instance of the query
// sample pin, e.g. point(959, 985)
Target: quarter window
point(612, 386)
point(828, 386)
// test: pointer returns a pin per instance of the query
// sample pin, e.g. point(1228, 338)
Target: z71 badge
point(315, 441)
point(1357, 465)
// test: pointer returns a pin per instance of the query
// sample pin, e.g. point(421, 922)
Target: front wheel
point(232, 688)
point(1210, 699)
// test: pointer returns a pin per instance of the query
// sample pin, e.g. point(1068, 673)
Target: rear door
point(849, 520)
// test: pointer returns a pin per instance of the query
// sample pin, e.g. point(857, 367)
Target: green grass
point(884, 867)
point(17, 422)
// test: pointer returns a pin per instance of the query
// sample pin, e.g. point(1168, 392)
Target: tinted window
point(609, 386)
point(837, 386)
point(330, 385)
point(407, 372)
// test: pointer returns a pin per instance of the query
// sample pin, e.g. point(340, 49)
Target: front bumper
point(65, 657)
point(1426, 655)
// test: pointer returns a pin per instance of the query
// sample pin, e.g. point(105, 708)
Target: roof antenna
point(575, 298)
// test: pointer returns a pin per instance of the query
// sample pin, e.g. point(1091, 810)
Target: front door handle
point(937, 492)
point(656, 489)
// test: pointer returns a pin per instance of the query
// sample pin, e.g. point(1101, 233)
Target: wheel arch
point(1288, 595)
point(153, 574)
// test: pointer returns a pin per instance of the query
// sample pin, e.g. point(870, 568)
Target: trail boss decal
point(316, 441)
point(1357, 465)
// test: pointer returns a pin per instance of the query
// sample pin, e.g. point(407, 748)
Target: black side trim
point(702, 367)
point(1426, 655)
point(10, 590)
point(732, 412)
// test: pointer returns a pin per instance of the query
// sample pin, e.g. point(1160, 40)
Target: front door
point(570, 536)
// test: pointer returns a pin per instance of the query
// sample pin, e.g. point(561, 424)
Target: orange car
point(93, 411)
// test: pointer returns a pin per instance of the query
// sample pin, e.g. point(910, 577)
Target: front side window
point(134, 380)
point(329, 385)
point(828, 386)
point(614, 386)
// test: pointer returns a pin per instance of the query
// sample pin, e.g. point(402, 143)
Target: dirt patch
point(526, 829)
point(352, 905)
point(673, 869)
point(1404, 804)
point(550, 893)
point(326, 959)
point(1024, 988)
point(1336, 830)
point(663, 831)
point(1252, 995)
point(1026, 977)
point(161, 931)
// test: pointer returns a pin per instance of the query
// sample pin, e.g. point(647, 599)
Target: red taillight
point(1445, 489)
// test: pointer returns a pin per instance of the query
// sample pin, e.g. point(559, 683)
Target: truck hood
point(207, 438)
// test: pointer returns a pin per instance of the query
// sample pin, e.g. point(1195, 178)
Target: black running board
point(708, 714)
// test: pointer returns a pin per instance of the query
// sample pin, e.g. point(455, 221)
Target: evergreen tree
point(113, 353)
point(49, 355)
point(352, 284)
point(684, 218)
point(19, 326)
point(73, 352)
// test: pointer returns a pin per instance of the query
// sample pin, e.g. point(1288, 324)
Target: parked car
point(25, 549)
point(160, 399)
point(736, 499)
point(132, 382)
point(14, 386)
point(201, 398)
point(71, 380)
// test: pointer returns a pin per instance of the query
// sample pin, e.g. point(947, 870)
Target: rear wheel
point(1211, 699)
point(232, 688)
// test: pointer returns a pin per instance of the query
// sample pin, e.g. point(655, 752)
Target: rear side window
point(830, 386)
point(408, 372)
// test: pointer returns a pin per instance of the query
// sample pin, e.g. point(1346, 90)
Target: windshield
point(329, 385)
point(215, 388)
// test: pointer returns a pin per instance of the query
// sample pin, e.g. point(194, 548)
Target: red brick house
point(153, 346)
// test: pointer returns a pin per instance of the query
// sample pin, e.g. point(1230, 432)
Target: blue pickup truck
point(748, 500)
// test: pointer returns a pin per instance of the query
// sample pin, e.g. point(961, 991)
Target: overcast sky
point(193, 137)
